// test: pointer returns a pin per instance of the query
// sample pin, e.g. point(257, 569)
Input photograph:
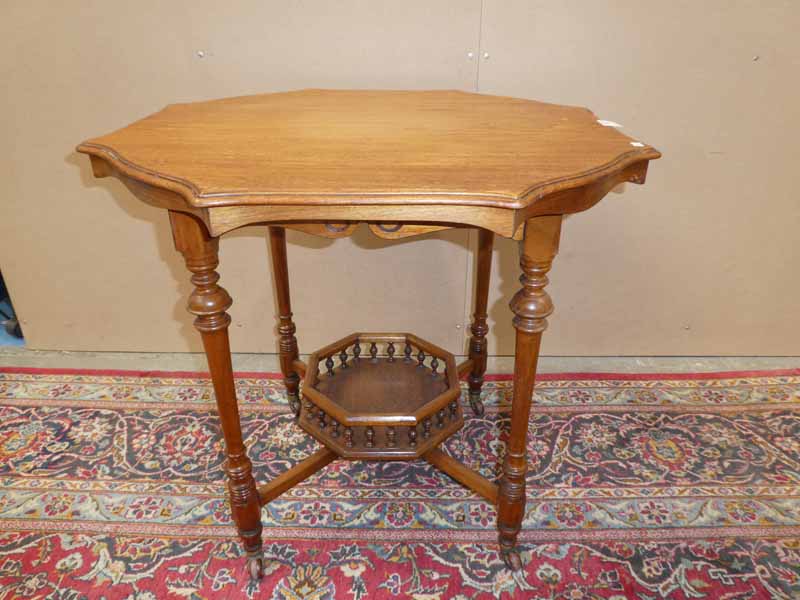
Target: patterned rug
point(644, 486)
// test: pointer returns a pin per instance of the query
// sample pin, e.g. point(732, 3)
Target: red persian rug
point(640, 486)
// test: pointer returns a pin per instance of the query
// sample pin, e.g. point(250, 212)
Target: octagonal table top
point(348, 147)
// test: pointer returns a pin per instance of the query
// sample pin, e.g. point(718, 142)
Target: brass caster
point(476, 404)
point(512, 559)
point(255, 567)
point(294, 404)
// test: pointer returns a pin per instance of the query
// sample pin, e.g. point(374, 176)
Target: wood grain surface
point(340, 147)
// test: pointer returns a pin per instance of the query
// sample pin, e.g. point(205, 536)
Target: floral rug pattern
point(111, 486)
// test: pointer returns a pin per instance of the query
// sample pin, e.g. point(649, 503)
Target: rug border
point(567, 376)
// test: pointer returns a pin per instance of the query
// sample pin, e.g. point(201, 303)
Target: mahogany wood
point(505, 222)
point(331, 408)
point(287, 341)
point(477, 343)
point(364, 418)
point(531, 306)
point(343, 147)
point(463, 474)
point(299, 367)
point(209, 303)
point(464, 367)
point(396, 231)
point(389, 387)
point(336, 346)
point(377, 395)
point(389, 231)
point(301, 471)
point(404, 163)
point(355, 446)
point(327, 229)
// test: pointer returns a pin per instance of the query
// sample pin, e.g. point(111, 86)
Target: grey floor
point(21, 357)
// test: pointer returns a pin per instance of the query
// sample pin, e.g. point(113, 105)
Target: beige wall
point(702, 260)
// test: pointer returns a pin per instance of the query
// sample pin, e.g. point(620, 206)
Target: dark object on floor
point(7, 314)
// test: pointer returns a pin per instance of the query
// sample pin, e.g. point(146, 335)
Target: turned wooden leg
point(287, 342)
point(209, 303)
point(477, 344)
point(531, 305)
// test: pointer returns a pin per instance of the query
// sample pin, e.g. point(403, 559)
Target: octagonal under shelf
point(381, 396)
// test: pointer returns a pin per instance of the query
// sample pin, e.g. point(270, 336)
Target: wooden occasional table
point(405, 163)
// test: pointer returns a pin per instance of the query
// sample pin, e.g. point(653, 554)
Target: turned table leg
point(287, 342)
point(209, 303)
point(477, 344)
point(531, 305)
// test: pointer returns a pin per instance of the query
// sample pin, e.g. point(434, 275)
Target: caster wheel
point(512, 559)
point(476, 404)
point(294, 404)
point(255, 567)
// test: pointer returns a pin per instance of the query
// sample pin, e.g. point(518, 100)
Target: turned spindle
point(412, 436)
point(343, 358)
point(391, 437)
point(287, 342)
point(329, 365)
point(453, 409)
point(373, 351)
point(321, 420)
point(310, 410)
point(390, 351)
point(209, 303)
point(356, 351)
point(426, 428)
point(348, 437)
point(370, 435)
point(480, 328)
point(440, 418)
point(421, 358)
point(434, 366)
point(407, 353)
point(531, 306)
point(334, 428)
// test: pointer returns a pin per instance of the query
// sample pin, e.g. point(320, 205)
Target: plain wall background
point(701, 260)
